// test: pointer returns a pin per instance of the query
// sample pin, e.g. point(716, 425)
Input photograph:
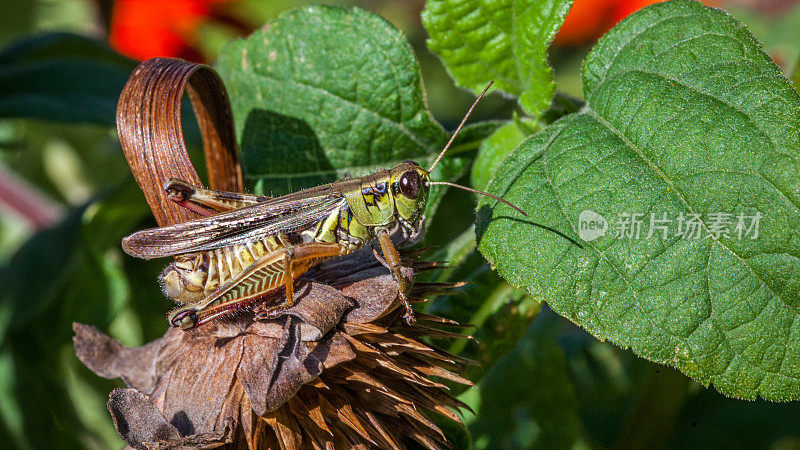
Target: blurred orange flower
point(144, 29)
point(590, 19)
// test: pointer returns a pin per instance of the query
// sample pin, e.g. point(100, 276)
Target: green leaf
point(322, 92)
point(79, 255)
point(505, 41)
point(35, 272)
point(493, 151)
point(39, 389)
point(16, 17)
point(62, 77)
point(685, 115)
point(540, 411)
point(472, 136)
point(72, 272)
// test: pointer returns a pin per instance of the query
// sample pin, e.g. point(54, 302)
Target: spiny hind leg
point(391, 259)
point(300, 256)
point(288, 268)
point(254, 282)
point(262, 277)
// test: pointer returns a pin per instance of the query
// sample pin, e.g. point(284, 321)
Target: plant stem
point(26, 201)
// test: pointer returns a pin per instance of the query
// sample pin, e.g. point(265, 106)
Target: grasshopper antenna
point(544, 227)
point(445, 183)
point(463, 121)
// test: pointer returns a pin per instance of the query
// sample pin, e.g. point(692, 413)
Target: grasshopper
point(246, 247)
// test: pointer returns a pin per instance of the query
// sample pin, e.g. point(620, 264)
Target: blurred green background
point(67, 198)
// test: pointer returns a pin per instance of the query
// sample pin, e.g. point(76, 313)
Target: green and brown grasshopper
point(247, 247)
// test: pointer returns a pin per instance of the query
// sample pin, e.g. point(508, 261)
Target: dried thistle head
point(340, 369)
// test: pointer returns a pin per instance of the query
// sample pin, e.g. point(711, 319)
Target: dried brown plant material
point(149, 128)
point(311, 378)
point(340, 369)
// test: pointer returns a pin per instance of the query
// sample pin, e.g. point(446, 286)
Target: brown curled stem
point(149, 127)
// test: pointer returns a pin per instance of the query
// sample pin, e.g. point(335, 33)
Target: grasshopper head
point(409, 185)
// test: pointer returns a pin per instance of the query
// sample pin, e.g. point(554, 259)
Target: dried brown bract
point(340, 369)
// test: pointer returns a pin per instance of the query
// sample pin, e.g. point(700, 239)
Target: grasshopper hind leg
point(262, 278)
point(206, 202)
point(184, 318)
point(288, 268)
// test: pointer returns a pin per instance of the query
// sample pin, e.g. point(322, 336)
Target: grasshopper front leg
point(391, 259)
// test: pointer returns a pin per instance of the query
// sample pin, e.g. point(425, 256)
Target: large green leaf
point(685, 115)
point(505, 41)
point(62, 77)
point(322, 92)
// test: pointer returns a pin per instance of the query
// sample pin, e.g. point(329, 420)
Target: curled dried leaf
point(150, 132)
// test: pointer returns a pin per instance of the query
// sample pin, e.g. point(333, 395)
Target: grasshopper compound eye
point(409, 184)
